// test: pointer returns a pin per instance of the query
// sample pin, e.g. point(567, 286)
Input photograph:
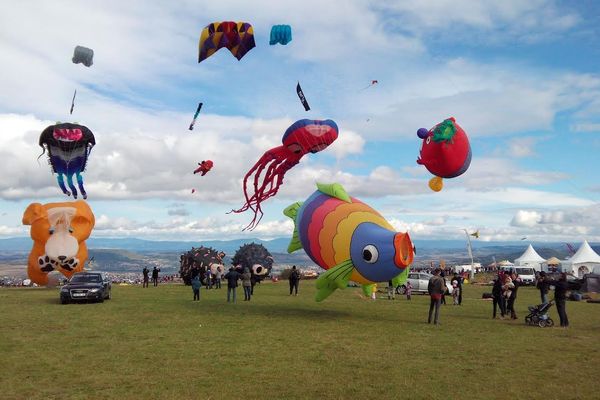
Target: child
point(390, 289)
point(373, 293)
point(196, 283)
point(408, 290)
point(455, 292)
point(508, 286)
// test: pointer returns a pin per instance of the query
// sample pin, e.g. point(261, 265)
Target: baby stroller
point(538, 315)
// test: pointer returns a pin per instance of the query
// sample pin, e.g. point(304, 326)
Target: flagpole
point(470, 250)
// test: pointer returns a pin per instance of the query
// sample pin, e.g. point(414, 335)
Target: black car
point(85, 286)
point(573, 282)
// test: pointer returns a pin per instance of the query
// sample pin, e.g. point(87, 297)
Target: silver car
point(419, 282)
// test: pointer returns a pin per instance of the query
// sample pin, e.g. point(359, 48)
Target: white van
point(527, 274)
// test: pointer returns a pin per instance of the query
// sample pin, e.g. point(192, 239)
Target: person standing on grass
point(498, 298)
point(247, 284)
point(155, 272)
point(443, 276)
point(232, 281)
point(436, 288)
point(208, 277)
point(542, 286)
point(390, 290)
point(408, 287)
point(455, 292)
point(560, 298)
point(510, 305)
point(294, 280)
point(459, 281)
point(145, 272)
point(196, 285)
point(218, 275)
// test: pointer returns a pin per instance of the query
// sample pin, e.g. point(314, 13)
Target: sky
point(521, 78)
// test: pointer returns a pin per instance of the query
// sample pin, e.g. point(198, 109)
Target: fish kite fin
point(436, 184)
point(368, 289)
point(292, 212)
point(334, 278)
point(334, 190)
point(401, 278)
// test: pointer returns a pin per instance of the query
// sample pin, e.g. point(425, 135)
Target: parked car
point(527, 274)
point(419, 282)
point(573, 282)
point(85, 286)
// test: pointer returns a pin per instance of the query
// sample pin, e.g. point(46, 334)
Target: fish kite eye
point(428, 140)
point(370, 254)
point(51, 230)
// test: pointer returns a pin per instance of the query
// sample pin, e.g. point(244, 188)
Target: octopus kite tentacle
point(302, 137)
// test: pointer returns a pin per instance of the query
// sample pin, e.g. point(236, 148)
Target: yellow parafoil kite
point(238, 37)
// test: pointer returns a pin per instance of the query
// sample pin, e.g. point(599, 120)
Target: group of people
point(213, 279)
point(504, 294)
point(232, 277)
point(505, 288)
point(146, 273)
point(437, 290)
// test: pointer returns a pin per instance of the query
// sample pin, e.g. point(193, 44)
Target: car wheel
point(101, 299)
point(64, 301)
point(109, 294)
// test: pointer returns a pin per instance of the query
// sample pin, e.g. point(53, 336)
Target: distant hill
point(278, 245)
point(131, 255)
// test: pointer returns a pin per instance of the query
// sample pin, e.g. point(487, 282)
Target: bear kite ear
point(34, 212)
point(84, 211)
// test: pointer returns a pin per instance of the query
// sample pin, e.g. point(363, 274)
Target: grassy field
point(157, 343)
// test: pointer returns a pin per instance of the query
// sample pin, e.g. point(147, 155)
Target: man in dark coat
point(232, 281)
point(560, 298)
point(542, 286)
point(145, 272)
point(497, 297)
point(155, 272)
point(459, 280)
point(294, 280)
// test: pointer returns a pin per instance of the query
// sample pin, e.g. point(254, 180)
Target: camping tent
point(584, 261)
point(530, 258)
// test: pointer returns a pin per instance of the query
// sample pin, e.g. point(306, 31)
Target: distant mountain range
point(131, 255)
point(278, 245)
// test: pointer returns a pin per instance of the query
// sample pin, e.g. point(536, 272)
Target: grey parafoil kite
point(83, 55)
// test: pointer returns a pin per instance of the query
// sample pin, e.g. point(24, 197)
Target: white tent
point(584, 261)
point(530, 258)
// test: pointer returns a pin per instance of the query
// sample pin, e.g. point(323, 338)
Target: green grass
point(157, 343)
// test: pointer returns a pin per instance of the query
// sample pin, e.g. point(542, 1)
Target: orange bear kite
point(59, 231)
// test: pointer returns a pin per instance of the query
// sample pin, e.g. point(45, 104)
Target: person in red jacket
point(436, 289)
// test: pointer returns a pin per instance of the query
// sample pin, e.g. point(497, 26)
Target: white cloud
point(586, 127)
point(525, 218)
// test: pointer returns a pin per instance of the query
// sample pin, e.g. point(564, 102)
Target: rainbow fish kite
point(349, 239)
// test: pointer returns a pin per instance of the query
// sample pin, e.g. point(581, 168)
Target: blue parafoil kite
point(281, 34)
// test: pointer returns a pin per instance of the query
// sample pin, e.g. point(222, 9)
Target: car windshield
point(525, 271)
point(85, 279)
